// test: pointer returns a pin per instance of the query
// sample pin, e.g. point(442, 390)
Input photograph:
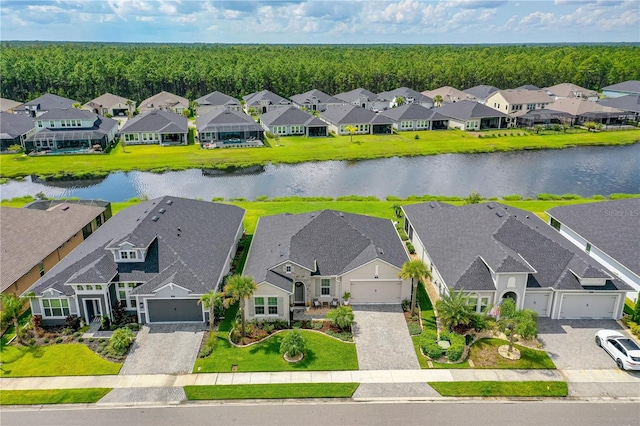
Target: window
point(406, 124)
point(473, 301)
point(555, 224)
point(122, 296)
point(273, 305)
point(98, 287)
point(80, 287)
point(531, 106)
point(288, 269)
point(484, 303)
point(131, 285)
point(121, 285)
point(41, 268)
point(258, 305)
point(588, 248)
point(325, 287)
point(89, 287)
point(52, 124)
point(40, 124)
point(56, 307)
point(124, 255)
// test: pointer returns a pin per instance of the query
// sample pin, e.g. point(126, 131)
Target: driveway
point(164, 349)
point(571, 344)
point(382, 338)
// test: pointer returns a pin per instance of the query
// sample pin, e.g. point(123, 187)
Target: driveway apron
point(164, 349)
point(382, 338)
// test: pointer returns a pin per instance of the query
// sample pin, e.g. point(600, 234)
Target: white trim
point(171, 285)
point(284, 262)
point(266, 306)
point(372, 260)
point(275, 286)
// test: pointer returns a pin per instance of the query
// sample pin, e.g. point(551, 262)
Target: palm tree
point(400, 101)
point(238, 289)
point(351, 129)
point(437, 100)
point(210, 300)
point(524, 322)
point(12, 307)
point(341, 316)
point(293, 344)
point(454, 309)
point(416, 270)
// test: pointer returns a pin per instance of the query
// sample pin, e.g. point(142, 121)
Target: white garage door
point(539, 302)
point(376, 291)
point(587, 306)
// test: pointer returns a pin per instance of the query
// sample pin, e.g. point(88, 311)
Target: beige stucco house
point(516, 102)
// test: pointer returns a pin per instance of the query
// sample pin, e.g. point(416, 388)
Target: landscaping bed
point(260, 330)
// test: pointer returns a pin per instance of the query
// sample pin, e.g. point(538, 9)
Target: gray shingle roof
point(68, 114)
point(405, 92)
point(217, 99)
point(624, 103)
point(101, 127)
point(611, 226)
point(313, 96)
point(465, 110)
point(157, 121)
point(631, 86)
point(107, 100)
point(481, 91)
point(507, 240)
point(290, 116)
point(48, 102)
point(334, 241)
point(413, 112)
point(163, 100)
point(256, 98)
point(356, 94)
point(14, 125)
point(190, 241)
point(214, 119)
point(349, 114)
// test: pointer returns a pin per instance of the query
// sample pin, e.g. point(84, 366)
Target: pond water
point(585, 171)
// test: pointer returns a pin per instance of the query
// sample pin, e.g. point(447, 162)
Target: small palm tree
point(121, 339)
point(454, 309)
point(12, 306)
point(523, 323)
point(351, 129)
point(209, 301)
point(400, 101)
point(293, 344)
point(416, 270)
point(238, 289)
point(341, 316)
point(437, 100)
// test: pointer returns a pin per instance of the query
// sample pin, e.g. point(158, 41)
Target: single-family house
point(470, 115)
point(609, 232)
point(481, 92)
point(314, 100)
point(164, 101)
point(293, 121)
point(629, 87)
point(364, 99)
point(156, 127)
point(264, 101)
point(111, 105)
point(628, 103)
point(404, 95)
point(15, 129)
point(585, 111)
point(155, 259)
point(570, 90)
point(71, 130)
point(8, 105)
point(492, 252)
point(298, 259)
point(34, 240)
point(44, 103)
point(516, 102)
point(225, 128)
point(449, 95)
point(365, 121)
point(214, 101)
point(416, 117)
point(527, 87)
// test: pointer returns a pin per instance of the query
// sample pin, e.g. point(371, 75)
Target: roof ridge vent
point(491, 206)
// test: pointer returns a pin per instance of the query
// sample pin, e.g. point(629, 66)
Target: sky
point(322, 21)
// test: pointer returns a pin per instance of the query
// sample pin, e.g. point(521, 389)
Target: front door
point(92, 309)
point(298, 293)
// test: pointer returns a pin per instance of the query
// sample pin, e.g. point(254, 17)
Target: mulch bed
point(254, 334)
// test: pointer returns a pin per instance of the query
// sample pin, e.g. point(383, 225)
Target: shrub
point(36, 321)
point(59, 340)
point(32, 341)
point(341, 316)
point(316, 325)
point(410, 247)
point(268, 327)
point(406, 305)
point(105, 322)
point(262, 198)
point(598, 197)
point(392, 198)
point(429, 336)
point(296, 324)
point(46, 340)
point(121, 339)
point(344, 336)
point(454, 352)
point(358, 198)
point(512, 197)
point(208, 348)
point(433, 350)
point(414, 328)
point(416, 136)
point(546, 197)
point(217, 199)
point(617, 196)
point(571, 197)
point(91, 340)
point(67, 331)
point(72, 322)
point(292, 344)
point(403, 235)
point(80, 339)
point(480, 321)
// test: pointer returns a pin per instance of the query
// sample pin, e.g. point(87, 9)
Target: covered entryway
point(298, 293)
point(538, 302)
point(92, 309)
point(174, 310)
point(587, 306)
point(376, 291)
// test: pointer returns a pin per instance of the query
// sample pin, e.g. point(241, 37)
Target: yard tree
point(521, 322)
point(473, 198)
point(292, 344)
point(400, 101)
point(351, 129)
point(437, 100)
point(238, 289)
point(342, 316)
point(12, 306)
point(414, 270)
point(454, 309)
point(209, 301)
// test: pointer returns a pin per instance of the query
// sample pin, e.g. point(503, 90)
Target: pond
point(585, 171)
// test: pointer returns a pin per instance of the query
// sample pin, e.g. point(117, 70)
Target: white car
point(623, 350)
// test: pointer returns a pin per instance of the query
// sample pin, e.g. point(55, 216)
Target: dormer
point(591, 277)
point(127, 252)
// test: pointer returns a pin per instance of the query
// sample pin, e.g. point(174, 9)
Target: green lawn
point(23, 319)
point(322, 353)
point(56, 360)
point(52, 396)
point(275, 391)
point(504, 389)
point(295, 149)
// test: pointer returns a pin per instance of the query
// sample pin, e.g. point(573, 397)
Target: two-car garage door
point(174, 310)
point(588, 306)
point(376, 291)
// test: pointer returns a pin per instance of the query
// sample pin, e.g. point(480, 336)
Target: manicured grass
point(295, 149)
point(56, 360)
point(52, 396)
point(515, 389)
point(322, 353)
point(23, 319)
point(275, 391)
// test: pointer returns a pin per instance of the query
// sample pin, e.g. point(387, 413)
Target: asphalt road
point(487, 412)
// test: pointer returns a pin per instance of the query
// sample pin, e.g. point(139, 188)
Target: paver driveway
point(164, 349)
point(382, 338)
point(571, 344)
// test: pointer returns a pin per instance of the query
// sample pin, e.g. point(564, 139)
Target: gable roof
point(290, 116)
point(465, 110)
point(217, 99)
point(25, 245)
point(631, 86)
point(225, 117)
point(7, 104)
point(579, 106)
point(352, 114)
point(505, 239)
point(47, 102)
point(265, 95)
point(569, 90)
point(356, 95)
point(188, 243)
point(107, 100)
point(314, 96)
point(157, 121)
point(525, 96)
point(481, 91)
point(626, 103)
point(612, 226)
point(449, 94)
point(413, 112)
point(14, 125)
point(67, 114)
point(406, 93)
point(164, 99)
point(331, 241)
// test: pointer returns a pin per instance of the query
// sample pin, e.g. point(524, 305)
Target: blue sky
point(320, 21)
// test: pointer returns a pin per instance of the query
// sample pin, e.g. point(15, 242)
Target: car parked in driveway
point(624, 351)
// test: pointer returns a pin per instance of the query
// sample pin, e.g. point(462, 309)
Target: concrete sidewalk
point(357, 376)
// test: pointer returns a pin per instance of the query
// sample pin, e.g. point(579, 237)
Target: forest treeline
point(82, 71)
